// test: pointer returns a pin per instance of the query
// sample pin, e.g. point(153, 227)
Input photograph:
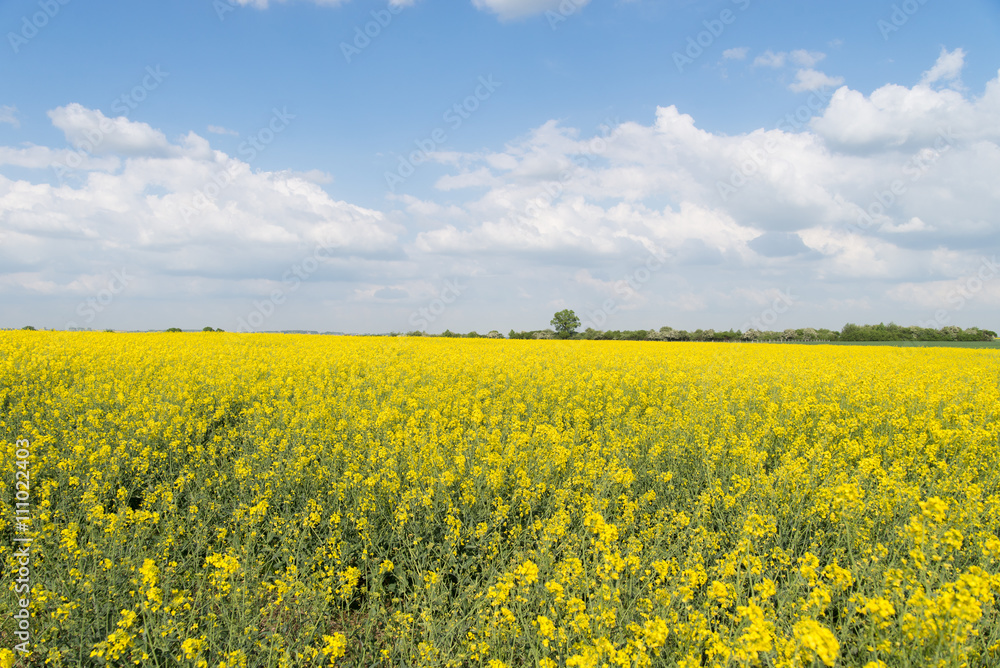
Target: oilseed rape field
point(223, 500)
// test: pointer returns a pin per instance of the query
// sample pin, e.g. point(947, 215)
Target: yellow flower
point(879, 607)
point(527, 573)
point(546, 629)
point(818, 640)
point(334, 646)
point(192, 647)
point(655, 632)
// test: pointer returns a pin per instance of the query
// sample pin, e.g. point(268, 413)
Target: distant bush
point(894, 332)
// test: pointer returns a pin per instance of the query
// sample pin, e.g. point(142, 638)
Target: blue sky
point(246, 164)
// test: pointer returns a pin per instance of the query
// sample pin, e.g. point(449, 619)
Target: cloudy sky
point(373, 166)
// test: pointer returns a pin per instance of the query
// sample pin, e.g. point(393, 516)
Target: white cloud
point(947, 294)
point(770, 59)
point(809, 79)
point(896, 116)
point(515, 9)
point(947, 68)
point(42, 157)
point(219, 130)
point(138, 200)
point(738, 53)
point(504, 9)
point(8, 114)
point(912, 225)
point(800, 57)
point(804, 58)
point(794, 211)
point(92, 131)
point(557, 213)
point(264, 4)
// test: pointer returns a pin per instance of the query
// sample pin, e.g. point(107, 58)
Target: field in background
point(994, 345)
point(274, 500)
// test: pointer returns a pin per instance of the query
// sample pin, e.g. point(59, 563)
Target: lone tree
point(565, 322)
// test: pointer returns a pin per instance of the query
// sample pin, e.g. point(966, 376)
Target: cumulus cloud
point(804, 202)
point(739, 53)
point(881, 201)
point(141, 200)
point(898, 116)
point(92, 131)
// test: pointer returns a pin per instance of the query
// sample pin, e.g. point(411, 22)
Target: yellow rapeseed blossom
point(224, 500)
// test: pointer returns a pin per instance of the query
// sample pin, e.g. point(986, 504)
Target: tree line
point(565, 323)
